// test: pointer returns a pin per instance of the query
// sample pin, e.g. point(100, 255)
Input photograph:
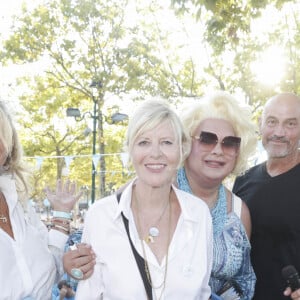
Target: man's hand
point(293, 295)
point(62, 293)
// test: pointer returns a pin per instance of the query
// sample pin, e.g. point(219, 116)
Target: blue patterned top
point(231, 257)
point(76, 238)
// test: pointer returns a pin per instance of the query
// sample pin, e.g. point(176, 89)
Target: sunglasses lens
point(231, 144)
point(208, 138)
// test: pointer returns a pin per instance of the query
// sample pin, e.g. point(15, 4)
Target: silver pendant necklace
point(162, 285)
point(153, 230)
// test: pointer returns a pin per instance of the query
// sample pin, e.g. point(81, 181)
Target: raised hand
point(64, 197)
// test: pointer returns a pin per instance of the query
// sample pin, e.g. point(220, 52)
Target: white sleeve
point(91, 288)
point(56, 240)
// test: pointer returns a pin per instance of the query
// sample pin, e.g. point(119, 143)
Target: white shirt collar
point(125, 203)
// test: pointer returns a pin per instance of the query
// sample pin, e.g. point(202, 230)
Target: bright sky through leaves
point(268, 68)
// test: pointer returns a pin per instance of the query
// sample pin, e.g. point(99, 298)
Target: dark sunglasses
point(230, 144)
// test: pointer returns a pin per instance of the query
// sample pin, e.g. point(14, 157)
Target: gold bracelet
point(61, 221)
point(61, 228)
point(64, 227)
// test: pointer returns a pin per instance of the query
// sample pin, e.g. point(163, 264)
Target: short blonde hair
point(150, 114)
point(222, 105)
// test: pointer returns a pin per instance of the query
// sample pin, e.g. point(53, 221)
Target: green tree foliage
point(234, 44)
point(85, 40)
point(130, 51)
point(226, 19)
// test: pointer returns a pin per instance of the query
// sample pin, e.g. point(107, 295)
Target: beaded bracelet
point(61, 221)
point(61, 228)
point(61, 214)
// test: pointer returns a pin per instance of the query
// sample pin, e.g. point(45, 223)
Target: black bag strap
point(139, 260)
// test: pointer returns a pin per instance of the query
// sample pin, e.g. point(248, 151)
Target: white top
point(237, 205)
point(27, 266)
point(116, 275)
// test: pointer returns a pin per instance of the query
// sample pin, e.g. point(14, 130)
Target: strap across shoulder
point(236, 205)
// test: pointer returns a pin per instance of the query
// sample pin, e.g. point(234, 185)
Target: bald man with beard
point(272, 193)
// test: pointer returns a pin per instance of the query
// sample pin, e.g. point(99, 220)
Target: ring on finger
point(77, 273)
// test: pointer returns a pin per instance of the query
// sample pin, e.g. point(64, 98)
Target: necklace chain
point(5, 223)
point(153, 230)
point(146, 266)
point(3, 210)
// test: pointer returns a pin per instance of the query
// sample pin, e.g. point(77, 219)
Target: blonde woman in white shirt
point(170, 230)
point(30, 256)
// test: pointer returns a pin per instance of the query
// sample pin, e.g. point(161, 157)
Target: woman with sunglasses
point(223, 138)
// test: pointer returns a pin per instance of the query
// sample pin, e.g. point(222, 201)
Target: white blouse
point(29, 263)
point(116, 275)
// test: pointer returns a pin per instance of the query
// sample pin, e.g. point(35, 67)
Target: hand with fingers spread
point(64, 197)
point(81, 260)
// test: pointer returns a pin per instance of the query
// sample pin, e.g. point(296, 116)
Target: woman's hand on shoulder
point(82, 258)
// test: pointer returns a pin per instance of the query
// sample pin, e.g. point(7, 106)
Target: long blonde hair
point(13, 153)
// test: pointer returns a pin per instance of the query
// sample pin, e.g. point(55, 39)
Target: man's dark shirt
point(274, 204)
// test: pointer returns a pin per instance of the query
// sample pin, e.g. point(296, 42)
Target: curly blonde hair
point(222, 105)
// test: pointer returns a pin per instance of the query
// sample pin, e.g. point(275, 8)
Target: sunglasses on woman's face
point(208, 140)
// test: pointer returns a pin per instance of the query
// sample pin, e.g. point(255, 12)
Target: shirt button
point(187, 271)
